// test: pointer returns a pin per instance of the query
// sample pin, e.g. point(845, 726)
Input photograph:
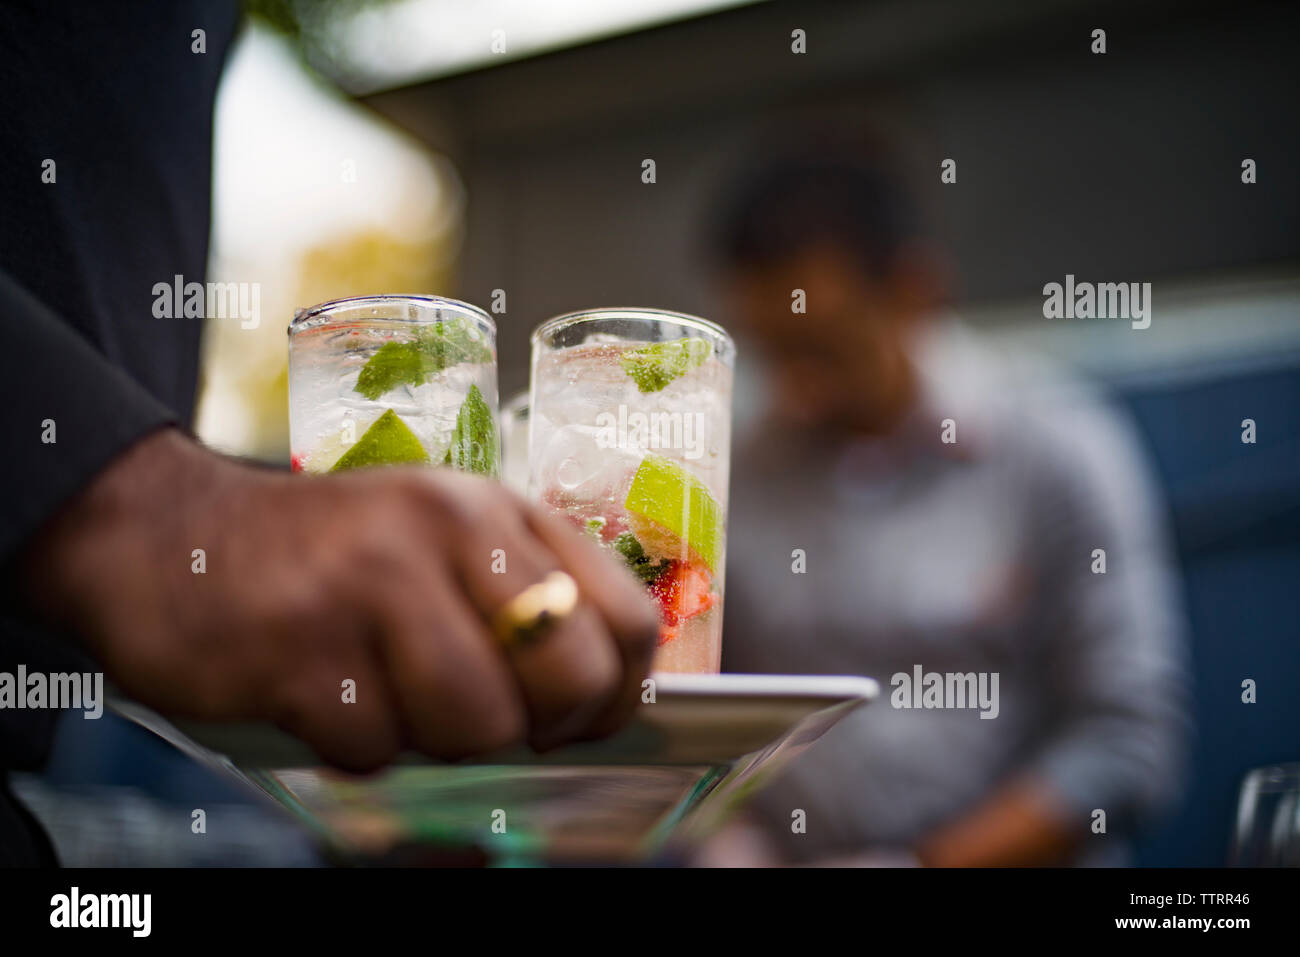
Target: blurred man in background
point(913, 505)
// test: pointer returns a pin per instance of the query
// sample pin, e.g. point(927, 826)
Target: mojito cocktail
point(630, 438)
point(393, 380)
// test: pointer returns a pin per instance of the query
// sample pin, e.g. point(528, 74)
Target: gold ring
point(537, 608)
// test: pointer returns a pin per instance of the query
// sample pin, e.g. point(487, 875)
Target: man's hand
point(1022, 824)
point(384, 577)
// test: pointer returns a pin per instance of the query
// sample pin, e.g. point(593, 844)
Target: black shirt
point(105, 188)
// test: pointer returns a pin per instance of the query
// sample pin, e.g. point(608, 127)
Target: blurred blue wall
point(1236, 515)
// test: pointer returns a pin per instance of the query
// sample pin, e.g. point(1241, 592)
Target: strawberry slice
point(295, 463)
point(681, 592)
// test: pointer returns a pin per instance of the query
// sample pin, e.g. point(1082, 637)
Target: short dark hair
point(826, 192)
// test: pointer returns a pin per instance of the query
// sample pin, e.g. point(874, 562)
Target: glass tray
point(658, 786)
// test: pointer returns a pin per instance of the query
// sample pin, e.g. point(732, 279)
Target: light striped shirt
point(981, 556)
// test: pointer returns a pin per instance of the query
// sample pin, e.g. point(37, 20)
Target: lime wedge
point(654, 366)
point(474, 439)
point(388, 441)
point(669, 496)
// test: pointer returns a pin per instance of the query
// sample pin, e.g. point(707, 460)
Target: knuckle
point(601, 680)
point(475, 712)
point(638, 629)
point(451, 499)
point(407, 498)
point(596, 673)
point(496, 727)
point(502, 729)
point(358, 741)
point(375, 553)
point(299, 604)
point(411, 498)
point(644, 625)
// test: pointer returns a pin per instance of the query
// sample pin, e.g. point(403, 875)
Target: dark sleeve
point(105, 178)
point(66, 412)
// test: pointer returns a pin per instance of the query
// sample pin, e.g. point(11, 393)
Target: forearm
point(1020, 825)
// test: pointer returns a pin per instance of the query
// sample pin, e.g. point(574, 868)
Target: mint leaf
point(396, 363)
point(434, 348)
point(637, 560)
point(654, 366)
point(474, 438)
point(445, 344)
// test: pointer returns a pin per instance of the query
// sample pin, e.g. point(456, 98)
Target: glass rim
point(322, 314)
point(1270, 778)
point(563, 321)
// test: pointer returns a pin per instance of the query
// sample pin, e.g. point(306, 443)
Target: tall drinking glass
point(630, 438)
point(1268, 818)
point(393, 380)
